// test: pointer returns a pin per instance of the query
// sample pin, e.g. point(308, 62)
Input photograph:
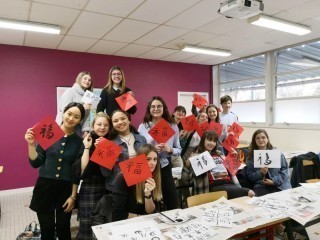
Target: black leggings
point(51, 223)
point(169, 191)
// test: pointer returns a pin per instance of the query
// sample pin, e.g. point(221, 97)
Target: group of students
point(67, 161)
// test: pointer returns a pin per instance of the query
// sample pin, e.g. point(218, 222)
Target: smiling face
point(101, 126)
point(156, 109)
point(116, 77)
point(212, 113)
point(152, 158)
point(209, 145)
point(203, 117)
point(71, 117)
point(226, 106)
point(85, 82)
point(178, 115)
point(121, 123)
point(261, 140)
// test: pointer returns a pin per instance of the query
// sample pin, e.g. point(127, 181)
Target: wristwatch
point(148, 197)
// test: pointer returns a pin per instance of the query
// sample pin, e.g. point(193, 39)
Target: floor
point(15, 215)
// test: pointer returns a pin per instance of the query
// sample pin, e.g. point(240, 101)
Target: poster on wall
point(61, 90)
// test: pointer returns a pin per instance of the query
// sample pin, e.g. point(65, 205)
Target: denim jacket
point(110, 175)
point(279, 176)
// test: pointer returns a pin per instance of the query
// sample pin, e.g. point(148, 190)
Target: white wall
point(288, 139)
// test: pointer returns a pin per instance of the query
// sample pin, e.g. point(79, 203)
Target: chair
point(311, 173)
point(205, 198)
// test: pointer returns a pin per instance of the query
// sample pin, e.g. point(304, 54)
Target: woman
point(54, 194)
point(218, 178)
point(266, 180)
point(156, 110)
point(141, 198)
point(127, 137)
point(115, 87)
point(92, 187)
point(74, 94)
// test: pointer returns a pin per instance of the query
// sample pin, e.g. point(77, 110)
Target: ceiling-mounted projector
point(241, 9)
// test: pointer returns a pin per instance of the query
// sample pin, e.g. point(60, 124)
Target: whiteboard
point(185, 99)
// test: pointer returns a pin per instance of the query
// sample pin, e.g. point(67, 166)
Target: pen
point(302, 197)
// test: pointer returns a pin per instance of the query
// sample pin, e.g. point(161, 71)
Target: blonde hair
point(109, 85)
point(79, 77)
point(157, 192)
point(101, 114)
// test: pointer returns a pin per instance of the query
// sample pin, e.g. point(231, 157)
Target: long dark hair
point(253, 145)
point(113, 133)
point(166, 115)
point(210, 135)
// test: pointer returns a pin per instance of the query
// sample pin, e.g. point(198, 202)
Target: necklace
point(127, 140)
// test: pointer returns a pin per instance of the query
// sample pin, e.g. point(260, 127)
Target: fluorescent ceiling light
point(279, 24)
point(203, 50)
point(29, 26)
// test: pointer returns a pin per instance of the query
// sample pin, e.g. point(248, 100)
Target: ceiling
point(153, 29)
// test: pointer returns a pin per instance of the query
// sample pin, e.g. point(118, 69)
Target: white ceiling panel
point(106, 47)
point(93, 25)
point(41, 40)
point(130, 30)
point(223, 25)
point(133, 50)
point(199, 58)
point(77, 4)
point(161, 11)
point(77, 44)
point(178, 56)
point(11, 37)
point(284, 4)
point(157, 53)
point(310, 9)
point(14, 9)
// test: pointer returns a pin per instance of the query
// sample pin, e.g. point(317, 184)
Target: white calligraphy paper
point(218, 217)
point(267, 158)
point(91, 98)
point(202, 163)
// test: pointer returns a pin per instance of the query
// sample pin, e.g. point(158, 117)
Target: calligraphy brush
point(177, 220)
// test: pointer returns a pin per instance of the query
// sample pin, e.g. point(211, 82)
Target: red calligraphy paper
point(236, 129)
point(202, 128)
point(189, 123)
point(126, 101)
point(232, 163)
point(135, 170)
point(106, 153)
point(199, 101)
point(47, 132)
point(230, 142)
point(162, 131)
point(217, 127)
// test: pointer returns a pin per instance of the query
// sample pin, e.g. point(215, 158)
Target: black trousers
point(52, 222)
point(169, 191)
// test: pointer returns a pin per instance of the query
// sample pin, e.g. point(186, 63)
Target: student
point(141, 198)
point(115, 87)
point(226, 116)
point(74, 94)
point(54, 194)
point(126, 136)
point(218, 178)
point(92, 187)
point(266, 180)
point(156, 110)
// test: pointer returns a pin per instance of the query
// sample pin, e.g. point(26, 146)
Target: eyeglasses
point(156, 107)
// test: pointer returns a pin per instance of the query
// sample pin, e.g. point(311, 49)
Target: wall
point(29, 77)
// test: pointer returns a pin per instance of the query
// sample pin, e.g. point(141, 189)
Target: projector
point(241, 9)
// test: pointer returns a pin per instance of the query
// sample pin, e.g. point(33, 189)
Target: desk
point(246, 218)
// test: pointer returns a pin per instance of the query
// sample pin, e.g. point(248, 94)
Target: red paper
point(162, 131)
point(236, 129)
point(202, 128)
point(199, 101)
point(106, 153)
point(232, 163)
point(230, 142)
point(135, 170)
point(189, 123)
point(47, 132)
point(126, 101)
point(217, 127)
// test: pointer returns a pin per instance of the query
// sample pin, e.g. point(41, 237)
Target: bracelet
point(73, 198)
point(87, 148)
point(148, 197)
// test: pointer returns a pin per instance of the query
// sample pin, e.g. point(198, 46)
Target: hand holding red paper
point(162, 131)
point(199, 101)
point(189, 123)
point(126, 101)
point(106, 153)
point(135, 170)
point(47, 132)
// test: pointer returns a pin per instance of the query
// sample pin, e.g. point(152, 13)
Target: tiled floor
point(15, 215)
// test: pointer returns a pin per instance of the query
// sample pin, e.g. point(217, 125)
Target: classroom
point(146, 39)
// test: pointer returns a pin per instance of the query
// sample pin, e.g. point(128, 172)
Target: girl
point(92, 187)
point(156, 110)
point(266, 180)
point(127, 137)
point(143, 197)
point(218, 178)
point(54, 194)
point(115, 87)
point(74, 94)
